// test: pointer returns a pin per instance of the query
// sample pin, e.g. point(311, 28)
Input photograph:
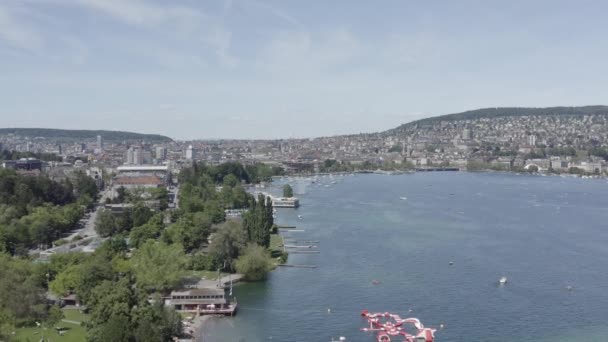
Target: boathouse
point(205, 301)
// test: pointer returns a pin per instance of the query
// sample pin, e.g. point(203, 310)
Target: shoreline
point(199, 325)
point(409, 172)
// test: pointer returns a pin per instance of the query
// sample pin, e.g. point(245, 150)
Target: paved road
point(87, 230)
point(89, 221)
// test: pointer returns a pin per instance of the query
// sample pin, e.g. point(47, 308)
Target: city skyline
point(251, 69)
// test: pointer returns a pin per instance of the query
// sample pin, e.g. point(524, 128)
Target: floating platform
point(302, 241)
point(298, 266)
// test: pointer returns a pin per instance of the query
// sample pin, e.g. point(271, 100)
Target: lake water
point(543, 233)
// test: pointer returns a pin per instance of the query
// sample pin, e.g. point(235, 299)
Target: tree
point(121, 195)
point(141, 215)
point(116, 329)
point(156, 322)
point(22, 297)
point(228, 242)
point(287, 191)
point(105, 224)
point(191, 232)
point(258, 221)
point(158, 266)
point(54, 316)
point(255, 263)
point(141, 234)
point(111, 306)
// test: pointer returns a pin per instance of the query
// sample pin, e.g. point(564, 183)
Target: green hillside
point(67, 134)
point(510, 111)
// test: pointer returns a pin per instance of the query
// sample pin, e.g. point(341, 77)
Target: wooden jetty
point(304, 252)
point(300, 246)
point(286, 227)
point(298, 266)
point(300, 241)
point(291, 230)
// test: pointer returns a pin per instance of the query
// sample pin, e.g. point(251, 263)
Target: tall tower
point(100, 143)
point(190, 153)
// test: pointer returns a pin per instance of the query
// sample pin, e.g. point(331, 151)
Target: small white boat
point(403, 198)
point(300, 217)
point(502, 280)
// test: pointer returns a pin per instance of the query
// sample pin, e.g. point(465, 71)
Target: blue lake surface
point(543, 233)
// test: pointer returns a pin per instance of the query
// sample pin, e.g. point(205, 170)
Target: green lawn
point(211, 275)
point(74, 332)
point(276, 249)
point(75, 315)
point(276, 243)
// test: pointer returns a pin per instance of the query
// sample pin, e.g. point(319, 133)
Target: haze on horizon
point(278, 69)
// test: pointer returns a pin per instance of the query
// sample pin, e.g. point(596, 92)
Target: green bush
point(254, 263)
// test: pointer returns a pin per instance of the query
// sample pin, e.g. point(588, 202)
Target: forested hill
point(51, 133)
point(509, 111)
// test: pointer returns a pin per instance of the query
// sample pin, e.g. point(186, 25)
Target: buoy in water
point(451, 263)
point(375, 282)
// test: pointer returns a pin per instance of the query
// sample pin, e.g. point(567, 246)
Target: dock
point(301, 241)
point(300, 246)
point(291, 230)
point(304, 252)
point(298, 266)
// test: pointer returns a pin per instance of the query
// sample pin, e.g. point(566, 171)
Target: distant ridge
point(509, 111)
point(51, 133)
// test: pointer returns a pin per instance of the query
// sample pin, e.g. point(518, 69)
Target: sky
point(206, 69)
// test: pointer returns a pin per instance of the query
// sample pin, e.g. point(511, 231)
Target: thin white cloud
point(277, 12)
point(140, 13)
point(16, 34)
point(220, 40)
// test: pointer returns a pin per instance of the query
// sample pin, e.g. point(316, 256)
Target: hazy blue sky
point(259, 68)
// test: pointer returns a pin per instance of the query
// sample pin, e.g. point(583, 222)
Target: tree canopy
point(255, 263)
point(287, 191)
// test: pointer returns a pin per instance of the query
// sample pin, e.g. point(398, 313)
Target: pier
point(298, 266)
point(431, 169)
point(300, 246)
point(300, 241)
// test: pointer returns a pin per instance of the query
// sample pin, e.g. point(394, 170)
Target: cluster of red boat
point(390, 327)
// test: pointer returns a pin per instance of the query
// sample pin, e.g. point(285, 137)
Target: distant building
point(559, 164)
point(161, 153)
point(532, 140)
point(190, 153)
point(136, 156)
point(100, 143)
point(25, 164)
point(136, 182)
point(466, 134)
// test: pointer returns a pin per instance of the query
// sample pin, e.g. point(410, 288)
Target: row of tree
point(35, 210)
point(15, 155)
point(255, 173)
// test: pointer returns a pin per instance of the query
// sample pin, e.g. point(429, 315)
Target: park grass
point(210, 275)
point(276, 243)
point(75, 315)
point(277, 250)
point(74, 332)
